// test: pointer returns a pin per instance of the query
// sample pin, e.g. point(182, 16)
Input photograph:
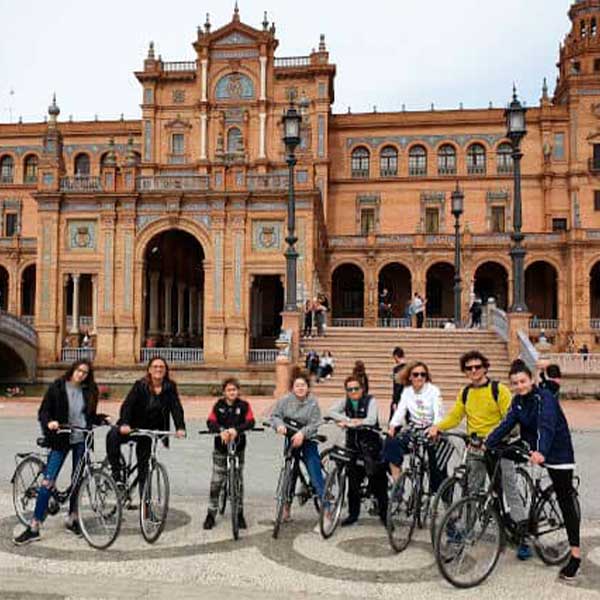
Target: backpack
point(495, 391)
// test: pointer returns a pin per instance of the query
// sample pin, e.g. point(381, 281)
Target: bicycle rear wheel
point(234, 494)
point(26, 480)
point(333, 500)
point(526, 488)
point(402, 512)
point(154, 504)
point(451, 490)
point(548, 529)
point(469, 541)
point(283, 495)
point(99, 509)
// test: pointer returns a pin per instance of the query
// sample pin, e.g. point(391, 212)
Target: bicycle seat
point(42, 442)
point(320, 438)
point(342, 454)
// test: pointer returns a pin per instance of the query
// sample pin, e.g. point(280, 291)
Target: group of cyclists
point(491, 413)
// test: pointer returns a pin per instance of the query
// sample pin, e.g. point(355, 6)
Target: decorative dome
point(53, 109)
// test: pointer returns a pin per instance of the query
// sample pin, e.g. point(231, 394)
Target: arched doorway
point(491, 281)
point(4, 289)
point(541, 290)
point(266, 304)
point(28, 292)
point(174, 283)
point(396, 278)
point(440, 291)
point(595, 295)
point(348, 292)
point(12, 366)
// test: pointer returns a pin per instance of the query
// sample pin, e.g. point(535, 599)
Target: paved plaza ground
point(188, 562)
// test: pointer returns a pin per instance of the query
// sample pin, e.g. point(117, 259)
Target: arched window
point(7, 165)
point(504, 161)
point(360, 162)
point(31, 168)
point(447, 160)
point(417, 161)
point(234, 141)
point(82, 165)
point(388, 162)
point(583, 28)
point(593, 27)
point(476, 159)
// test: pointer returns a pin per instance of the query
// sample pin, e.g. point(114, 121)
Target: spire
point(151, 51)
point(515, 97)
point(53, 109)
point(545, 89)
point(207, 24)
point(236, 12)
point(265, 22)
point(322, 47)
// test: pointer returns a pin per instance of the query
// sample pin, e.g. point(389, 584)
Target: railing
point(84, 321)
point(173, 355)
point(6, 179)
point(18, 327)
point(284, 343)
point(347, 322)
point(81, 183)
point(179, 65)
point(394, 322)
point(476, 169)
point(436, 322)
point(594, 323)
point(262, 356)
point(527, 351)
point(576, 364)
point(446, 170)
point(491, 238)
point(439, 239)
point(267, 182)
point(504, 169)
point(360, 174)
point(499, 322)
point(292, 61)
point(388, 172)
point(172, 182)
point(417, 171)
point(69, 355)
point(545, 324)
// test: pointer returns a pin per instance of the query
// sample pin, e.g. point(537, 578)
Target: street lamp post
point(291, 139)
point(458, 199)
point(516, 130)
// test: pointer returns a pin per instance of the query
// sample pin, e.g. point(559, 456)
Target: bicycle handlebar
point(208, 432)
point(151, 433)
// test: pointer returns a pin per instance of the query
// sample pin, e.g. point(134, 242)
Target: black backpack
point(495, 391)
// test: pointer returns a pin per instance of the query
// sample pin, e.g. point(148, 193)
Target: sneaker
point(74, 528)
point(209, 522)
point(524, 552)
point(28, 536)
point(570, 570)
point(242, 522)
point(348, 521)
point(317, 529)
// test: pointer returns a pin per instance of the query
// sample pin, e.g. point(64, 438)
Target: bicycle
point(291, 472)
point(98, 503)
point(475, 530)
point(231, 487)
point(336, 484)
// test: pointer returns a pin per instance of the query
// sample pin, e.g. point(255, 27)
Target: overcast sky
point(388, 52)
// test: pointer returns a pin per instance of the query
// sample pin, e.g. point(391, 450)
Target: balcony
point(476, 169)
point(505, 168)
point(263, 356)
point(388, 173)
point(292, 61)
point(160, 183)
point(6, 179)
point(178, 159)
point(360, 174)
point(267, 182)
point(69, 355)
point(179, 65)
point(81, 183)
point(594, 165)
point(174, 355)
point(417, 171)
point(447, 170)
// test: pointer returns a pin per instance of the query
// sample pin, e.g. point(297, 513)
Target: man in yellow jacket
point(485, 403)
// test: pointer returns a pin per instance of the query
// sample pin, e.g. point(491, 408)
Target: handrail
point(18, 327)
point(527, 351)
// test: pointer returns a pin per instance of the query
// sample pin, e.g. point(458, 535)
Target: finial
point(491, 105)
point(374, 108)
point(432, 106)
point(122, 117)
point(130, 157)
point(236, 12)
point(207, 23)
point(53, 109)
point(151, 51)
point(403, 107)
point(70, 118)
point(199, 31)
point(349, 110)
point(322, 47)
point(460, 106)
point(96, 117)
point(272, 28)
point(265, 22)
point(20, 120)
point(545, 89)
point(515, 98)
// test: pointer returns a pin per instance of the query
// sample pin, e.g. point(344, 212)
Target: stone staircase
point(439, 349)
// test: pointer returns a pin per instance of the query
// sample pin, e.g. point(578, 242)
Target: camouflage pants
point(219, 475)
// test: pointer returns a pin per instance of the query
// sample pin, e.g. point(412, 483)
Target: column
point(154, 277)
point(180, 292)
point(75, 317)
point(263, 78)
point(192, 310)
point(261, 139)
point(168, 311)
point(94, 302)
point(204, 64)
point(203, 122)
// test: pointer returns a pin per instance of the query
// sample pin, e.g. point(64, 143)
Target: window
point(417, 161)
point(447, 160)
point(583, 29)
point(6, 169)
point(177, 143)
point(504, 160)
point(576, 67)
point(388, 162)
point(597, 200)
point(360, 162)
point(367, 221)
point(559, 224)
point(31, 167)
point(432, 220)
point(558, 152)
point(234, 141)
point(82, 164)
point(593, 27)
point(597, 64)
point(10, 224)
point(476, 159)
point(498, 224)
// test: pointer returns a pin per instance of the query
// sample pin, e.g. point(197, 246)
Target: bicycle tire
point(303, 477)
point(333, 500)
point(552, 549)
point(424, 500)
point(469, 523)
point(26, 480)
point(452, 489)
point(99, 509)
point(154, 503)
point(526, 488)
point(282, 495)
point(233, 484)
point(325, 460)
point(402, 512)
point(222, 502)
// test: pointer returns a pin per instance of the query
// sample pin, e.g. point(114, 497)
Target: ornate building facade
point(169, 231)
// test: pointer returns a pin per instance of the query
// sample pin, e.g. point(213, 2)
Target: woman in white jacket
point(421, 406)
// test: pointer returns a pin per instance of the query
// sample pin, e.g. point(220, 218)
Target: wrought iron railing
point(173, 182)
point(545, 324)
point(360, 174)
point(446, 170)
point(417, 171)
point(69, 355)
point(504, 169)
point(476, 169)
point(81, 183)
point(342, 322)
point(262, 356)
point(174, 355)
point(388, 172)
point(292, 61)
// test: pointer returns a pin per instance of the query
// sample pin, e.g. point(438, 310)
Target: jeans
point(56, 459)
point(309, 453)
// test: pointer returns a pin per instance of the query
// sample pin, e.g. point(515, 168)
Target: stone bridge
point(18, 349)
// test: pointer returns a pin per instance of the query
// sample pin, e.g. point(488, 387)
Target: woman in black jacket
point(149, 404)
point(70, 400)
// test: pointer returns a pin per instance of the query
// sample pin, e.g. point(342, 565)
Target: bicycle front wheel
point(99, 509)
point(333, 500)
point(283, 495)
point(154, 504)
point(26, 481)
point(451, 490)
point(402, 512)
point(223, 497)
point(233, 484)
point(469, 541)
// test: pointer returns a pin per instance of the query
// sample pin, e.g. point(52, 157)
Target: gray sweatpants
point(219, 474)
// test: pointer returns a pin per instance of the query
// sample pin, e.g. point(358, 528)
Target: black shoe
point(242, 522)
point(570, 570)
point(209, 522)
point(27, 537)
point(74, 528)
point(348, 521)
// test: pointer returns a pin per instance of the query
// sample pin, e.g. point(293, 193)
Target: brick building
point(169, 231)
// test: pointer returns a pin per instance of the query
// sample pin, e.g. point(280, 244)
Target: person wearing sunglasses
point(484, 403)
point(359, 409)
point(420, 406)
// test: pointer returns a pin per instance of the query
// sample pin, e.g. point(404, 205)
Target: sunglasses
point(353, 389)
point(416, 374)
point(474, 367)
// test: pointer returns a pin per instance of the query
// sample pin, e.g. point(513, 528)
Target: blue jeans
point(310, 456)
point(56, 459)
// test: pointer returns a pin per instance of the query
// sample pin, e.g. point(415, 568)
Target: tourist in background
point(418, 309)
point(308, 318)
point(326, 365)
point(360, 372)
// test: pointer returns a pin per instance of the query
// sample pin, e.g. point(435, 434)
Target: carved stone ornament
point(266, 235)
point(82, 235)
